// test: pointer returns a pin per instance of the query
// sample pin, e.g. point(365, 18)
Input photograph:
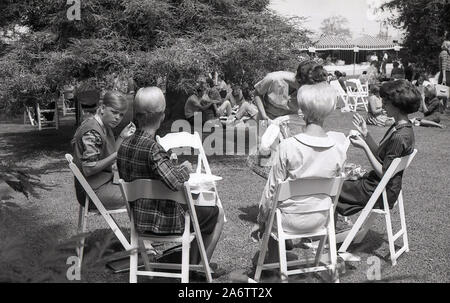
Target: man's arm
point(173, 176)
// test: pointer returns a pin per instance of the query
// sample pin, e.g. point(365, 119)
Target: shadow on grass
point(29, 254)
point(250, 213)
point(31, 144)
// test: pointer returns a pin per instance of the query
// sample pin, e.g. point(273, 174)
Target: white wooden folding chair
point(28, 116)
point(304, 187)
point(84, 212)
point(155, 189)
point(356, 93)
point(180, 140)
point(42, 123)
point(368, 213)
point(341, 93)
point(66, 109)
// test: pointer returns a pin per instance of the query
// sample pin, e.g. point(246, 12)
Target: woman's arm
point(359, 142)
point(277, 172)
point(100, 165)
point(376, 165)
point(260, 106)
point(424, 106)
point(373, 146)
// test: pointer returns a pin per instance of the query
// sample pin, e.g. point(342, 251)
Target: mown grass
point(32, 235)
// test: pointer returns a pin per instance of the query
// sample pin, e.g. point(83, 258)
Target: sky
point(357, 12)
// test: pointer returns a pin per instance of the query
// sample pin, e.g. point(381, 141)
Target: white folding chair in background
point(155, 189)
point(341, 93)
point(181, 140)
point(368, 213)
point(28, 116)
point(43, 123)
point(301, 187)
point(356, 93)
point(84, 212)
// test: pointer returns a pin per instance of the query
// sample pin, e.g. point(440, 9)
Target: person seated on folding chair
point(314, 153)
point(95, 150)
point(400, 98)
point(141, 157)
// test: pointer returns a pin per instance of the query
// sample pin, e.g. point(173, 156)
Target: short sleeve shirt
point(279, 97)
point(304, 156)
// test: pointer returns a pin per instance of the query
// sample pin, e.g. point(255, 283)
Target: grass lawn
point(29, 234)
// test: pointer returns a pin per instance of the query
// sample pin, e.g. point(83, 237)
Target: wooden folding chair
point(180, 140)
point(368, 213)
point(155, 189)
point(42, 123)
point(28, 116)
point(341, 92)
point(356, 93)
point(304, 187)
point(84, 212)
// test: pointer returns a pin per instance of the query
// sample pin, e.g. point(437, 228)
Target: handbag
point(442, 91)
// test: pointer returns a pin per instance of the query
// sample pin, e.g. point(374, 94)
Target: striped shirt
point(141, 157)
point(444, 61)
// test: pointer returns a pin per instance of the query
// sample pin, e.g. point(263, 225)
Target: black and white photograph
point(245, 143)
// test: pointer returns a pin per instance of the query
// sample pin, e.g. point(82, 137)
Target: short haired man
point(141, 157)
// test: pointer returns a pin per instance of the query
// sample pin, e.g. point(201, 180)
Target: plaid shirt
point(141, 157)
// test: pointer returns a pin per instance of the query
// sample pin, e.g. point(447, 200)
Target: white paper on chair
point(202, 189)
point(197, 179)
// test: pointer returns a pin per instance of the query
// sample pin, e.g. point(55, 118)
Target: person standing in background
point(383, 63)
point(444, 64)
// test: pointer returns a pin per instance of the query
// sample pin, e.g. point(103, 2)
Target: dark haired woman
point(95, 150)
point(400, 98)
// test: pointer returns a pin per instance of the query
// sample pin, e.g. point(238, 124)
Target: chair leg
point(144, 255)
point(262, 255)
point(319, 250)
point(134, 258)
point(185, 260)
point(403, 221)
point(84, 215)
point(389, 229)
point(332, 248)
point(282, 256)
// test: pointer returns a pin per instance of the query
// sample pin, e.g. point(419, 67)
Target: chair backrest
point(351, 86)
point(337, 86)
point(185, 139)
point(309, 187)
point(93, 197)
point(150, 189)
point(397, 165)
point(359, 85)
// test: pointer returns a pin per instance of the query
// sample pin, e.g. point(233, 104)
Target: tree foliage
point(335, 26)
point(149, 39)
point(426, 24)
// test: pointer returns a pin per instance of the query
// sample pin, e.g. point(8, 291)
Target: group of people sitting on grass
point(214, 98)
point(311, 152)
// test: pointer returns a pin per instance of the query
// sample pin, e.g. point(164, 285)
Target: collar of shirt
point(143, 133)
point(315, 141)
point(395, 127)
point(99, 120)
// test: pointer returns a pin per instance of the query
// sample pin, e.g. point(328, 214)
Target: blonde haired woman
point(314, 153)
